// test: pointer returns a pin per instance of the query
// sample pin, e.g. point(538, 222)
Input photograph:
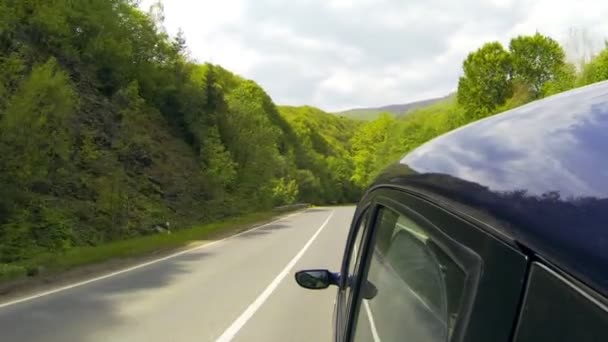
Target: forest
point(108, 127)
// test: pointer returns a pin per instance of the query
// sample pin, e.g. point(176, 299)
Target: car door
point(435, 275)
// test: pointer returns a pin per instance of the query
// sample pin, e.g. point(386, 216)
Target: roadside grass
point(52, 263)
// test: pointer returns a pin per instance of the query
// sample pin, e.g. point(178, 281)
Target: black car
point(497, 231)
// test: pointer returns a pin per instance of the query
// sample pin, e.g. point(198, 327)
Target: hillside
point(325, 147)
point(106, 133)
point(397, 110)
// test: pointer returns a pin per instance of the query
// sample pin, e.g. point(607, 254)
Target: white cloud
point(337, 54)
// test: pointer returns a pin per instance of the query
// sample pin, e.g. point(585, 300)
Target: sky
point(340, 54)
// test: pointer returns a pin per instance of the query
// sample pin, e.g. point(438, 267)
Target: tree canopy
point(536, 60)
point(486, 83)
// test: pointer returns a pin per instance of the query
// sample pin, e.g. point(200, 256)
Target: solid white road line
point(133, 268)
point(234, 328)
point(372, 324)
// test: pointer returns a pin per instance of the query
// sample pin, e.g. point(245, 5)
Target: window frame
point(461, 256)
point(465, 236)
point(342, 302)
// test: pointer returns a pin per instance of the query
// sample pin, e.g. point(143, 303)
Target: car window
point(576, 316)
point(411, 275)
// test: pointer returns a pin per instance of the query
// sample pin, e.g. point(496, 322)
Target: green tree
point(11, 73)
point(368, 147)
point(486, 83)
point(597, 69)
point(35, 144)
point(35, 125)
point(284, 191)
point(536, 60)
point(251, 139)
point(564, 79)
point(218, 163)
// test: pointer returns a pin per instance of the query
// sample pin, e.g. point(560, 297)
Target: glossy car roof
point(537, 174)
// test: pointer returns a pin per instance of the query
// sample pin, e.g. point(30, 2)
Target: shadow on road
point(277, 226)
point(319, 210)
point(264, 231)
point(91, 308)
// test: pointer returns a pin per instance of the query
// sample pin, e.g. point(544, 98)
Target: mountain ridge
point(397, 110)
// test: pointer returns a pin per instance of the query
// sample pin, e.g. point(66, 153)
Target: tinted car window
point(412, 276)
point(557, 310)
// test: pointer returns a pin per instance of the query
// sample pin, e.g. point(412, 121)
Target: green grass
point(50, 263)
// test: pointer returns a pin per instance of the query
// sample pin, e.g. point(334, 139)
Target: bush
point(8, 271)
point(596, 70)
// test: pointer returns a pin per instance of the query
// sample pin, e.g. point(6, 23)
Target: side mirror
point(316, 279)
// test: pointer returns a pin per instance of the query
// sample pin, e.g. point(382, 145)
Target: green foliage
point(496, 79)
point(368, 145)
point(322, 153)
point(564, 79)
point(536, 60)
point(596, 70)
point(285, 191)
point(486, 83)
point(11, 73)
point(384, 141)
point(252, 139)
point(107, 128)
point(11, 271)
point(522, 94)
point(35, 125)
point(219, 166)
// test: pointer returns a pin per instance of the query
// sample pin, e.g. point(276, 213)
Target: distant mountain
point(398, 110)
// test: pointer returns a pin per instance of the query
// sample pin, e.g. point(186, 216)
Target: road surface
point(238, 289)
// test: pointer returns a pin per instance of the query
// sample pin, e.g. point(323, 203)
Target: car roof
point(537, 174)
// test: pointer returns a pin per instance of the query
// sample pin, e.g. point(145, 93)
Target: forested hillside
point(107, 128)
point(323, 156)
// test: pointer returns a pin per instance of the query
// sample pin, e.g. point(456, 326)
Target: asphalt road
point(238, 289)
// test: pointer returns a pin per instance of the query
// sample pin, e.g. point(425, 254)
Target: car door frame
point(458, 228)
point(340, 313)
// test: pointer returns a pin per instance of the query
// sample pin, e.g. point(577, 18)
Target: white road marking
point(133, 268)
point(234, 328)
point(372, 324)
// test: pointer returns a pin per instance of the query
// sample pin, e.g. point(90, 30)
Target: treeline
point(107, 128)
point(495, 79)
